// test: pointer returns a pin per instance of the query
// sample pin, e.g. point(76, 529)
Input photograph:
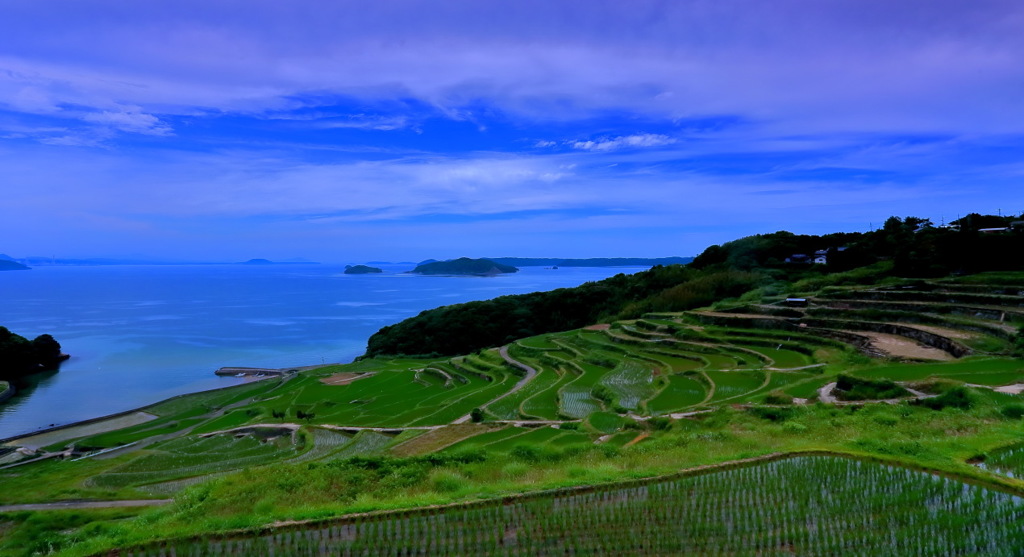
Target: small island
point(361, 270)
point(464, 266)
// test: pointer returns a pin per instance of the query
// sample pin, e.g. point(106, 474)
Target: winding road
point(530, 374)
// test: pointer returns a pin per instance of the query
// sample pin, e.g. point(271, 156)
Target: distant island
point(591, 262)
point(361, 270)
point(8, 265)
point(464, 266)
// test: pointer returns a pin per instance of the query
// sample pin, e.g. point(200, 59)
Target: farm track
point(65, 505)
point(530, 374)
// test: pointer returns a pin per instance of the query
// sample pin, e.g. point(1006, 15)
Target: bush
point(778, 397)
point(855, 388)
point(772, 414)
point(958, 397)
point(660, 424)
point(1014, 410)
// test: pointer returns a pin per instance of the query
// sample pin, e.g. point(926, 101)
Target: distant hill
point(591, 262)
point(8, 265)
point(908, 247)
point(260, 261)
point(361, 270)
point(464, 266)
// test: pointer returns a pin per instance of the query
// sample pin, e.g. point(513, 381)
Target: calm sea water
point(139, 334)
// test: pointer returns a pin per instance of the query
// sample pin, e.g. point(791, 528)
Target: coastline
point(9, 440)
point(279, 373)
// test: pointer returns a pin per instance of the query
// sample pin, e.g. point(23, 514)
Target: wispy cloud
point(642, 140)
point(195, 117)
point(364, 122)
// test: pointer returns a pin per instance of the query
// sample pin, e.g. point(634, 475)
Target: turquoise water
point(139, 334)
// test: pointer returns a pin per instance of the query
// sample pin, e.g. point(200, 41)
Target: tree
point(46, 350)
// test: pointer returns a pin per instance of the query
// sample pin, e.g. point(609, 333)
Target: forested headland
point(20, 356)
point(903, 247)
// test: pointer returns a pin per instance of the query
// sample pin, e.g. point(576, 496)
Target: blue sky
point(346, 132)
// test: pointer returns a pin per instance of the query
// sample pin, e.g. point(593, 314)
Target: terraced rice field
point(810, 505)
point(189, 457)
point(1008, 461)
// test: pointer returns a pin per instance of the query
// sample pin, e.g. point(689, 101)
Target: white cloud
point(363, 122)
point(131, 120)
point(627, 141)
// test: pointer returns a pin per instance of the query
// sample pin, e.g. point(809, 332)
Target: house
point(993, 230)
point(798, 258)
point(796, 302)
point(821, 257)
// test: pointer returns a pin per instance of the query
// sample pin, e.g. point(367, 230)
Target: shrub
point(778, 397)
point(772, 414)
point(660, 424)
point(1014, 410)
point(957, 397)
point(855, 388)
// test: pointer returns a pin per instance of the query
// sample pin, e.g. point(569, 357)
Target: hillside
point(710, 393)
point(591, 262)
point(909, 247)
point(463, 266)
point(8, 265)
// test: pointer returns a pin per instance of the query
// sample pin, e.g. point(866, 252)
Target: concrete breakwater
point(250, 371)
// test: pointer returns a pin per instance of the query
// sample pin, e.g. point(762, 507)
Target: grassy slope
point(683, 359)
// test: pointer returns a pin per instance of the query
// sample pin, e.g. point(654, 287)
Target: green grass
point(732, 384)
point(631, 382)
point(962, 370)
point(868, 508)
point(682, 392)
point(326, 473)
point(605, 422)
point(544, 403)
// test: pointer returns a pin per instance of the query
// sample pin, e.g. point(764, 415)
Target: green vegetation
point(361, 270)
point(20, 356)
point(697, 366)
point(463, 266)
point(877, 509)
point(855, 388)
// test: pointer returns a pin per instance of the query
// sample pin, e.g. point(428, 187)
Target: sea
point(140, 334)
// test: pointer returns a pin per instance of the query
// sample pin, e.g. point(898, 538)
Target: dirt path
point(941, 331)
point(637, 439)
point(84, 505)
point(812, 366)
point(825, 394)
point(902, 347)
point(345, 378)
point(83, 430)
point(530, 374)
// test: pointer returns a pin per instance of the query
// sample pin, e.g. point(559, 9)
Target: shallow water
point(139, 334)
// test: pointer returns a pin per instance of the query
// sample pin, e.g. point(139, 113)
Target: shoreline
point(282, 372)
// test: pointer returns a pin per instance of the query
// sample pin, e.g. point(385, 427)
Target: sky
point(351, 131)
